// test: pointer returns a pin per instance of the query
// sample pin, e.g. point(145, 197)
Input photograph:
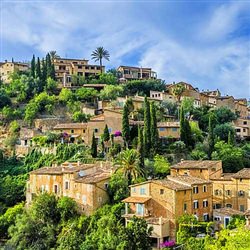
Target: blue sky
point(205, 43)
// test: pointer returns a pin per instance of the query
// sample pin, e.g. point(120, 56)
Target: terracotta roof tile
point(171, 184)
point(227, 211)
point(195, 164)
point(188, 180)
point(95, 177)
point(136, 199)
point(243, 173)
point(70, 125)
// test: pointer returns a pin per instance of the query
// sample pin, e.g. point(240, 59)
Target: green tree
point(43, 71)
point(125, 125)
point(86, 94)
point(178, 90)
point(38, 68)
point(128, 163)
point(100, 53)
point(111, 92)
point(138, 234)
point(118, 188)
point(4, 99)
point(140, 146)
point(231, 156)
point(65, 96)
point(67, 208)
point(161, 166)
point(153, 130)
point(224, 115)
point(222, 130)
point(93, 146)
point(147, 127)
point(106, 135)
point(78, 116)
point(51, 85)
point(33, 67)
point(211, 126)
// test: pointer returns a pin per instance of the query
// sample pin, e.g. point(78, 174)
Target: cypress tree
point(140, 147)
point(48, 66)
point(210, 135)
point(33, 66)
point(182, 125)
point(125, 125)
point(154, 130)
point(44, 71)
point(106, 135)
point(147, 127)
point(93, 147)
point(53, 72)
point(38, 68)
point(231, 138)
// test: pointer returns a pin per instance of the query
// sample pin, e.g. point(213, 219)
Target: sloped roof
point(195, 164)
point(136, 199)
point(228, 211)
point(171, 184)
point(70, 125)
point(95, 177)
point(188, 180)
point(243, 173)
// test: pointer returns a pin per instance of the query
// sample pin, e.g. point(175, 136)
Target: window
point(96, 130)
point(217, 206)
point(240, 179)
point(205, 203)
point(237, 129)
point(72, 131)
point(161, 191)
point(228, 192)
point(79, 67)
point(217, 218)
point(245, 122)
point(244, 130)
point(106, 185)
point(77, 196)
point(174, 129)
point(200, 170)
point(217, 192)
point(42, 189)
point(162, 129)
point(55, 189)
point(185, 191)
point(83, 130)
point(84, 199)
point(139, 209)
point(142, 191)
point(134, 190)
point(185, 206)
point(110, 130)
point(99, 199)
point(242, 208)
point(204, 188)
point(229, 205)
point(195, 190)
point(241, 193)
point(196, 204)
point(205, 217)
point(66, 184)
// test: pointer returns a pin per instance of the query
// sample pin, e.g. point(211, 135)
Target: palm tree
point(53, 55)
point(128, 163)
point(100, 53)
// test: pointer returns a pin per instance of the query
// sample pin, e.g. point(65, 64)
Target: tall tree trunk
point(101, 64)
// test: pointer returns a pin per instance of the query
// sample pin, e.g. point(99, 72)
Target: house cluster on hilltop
point(199, 188)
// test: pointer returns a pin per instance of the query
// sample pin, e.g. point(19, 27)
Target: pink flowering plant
point(117, 133)
point(167, 244)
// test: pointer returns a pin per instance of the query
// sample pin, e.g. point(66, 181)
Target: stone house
point(7, 68)
point(242, 127)
point(162, 202)
point(85, 183)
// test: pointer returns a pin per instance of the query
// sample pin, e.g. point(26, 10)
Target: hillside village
point(170, 154)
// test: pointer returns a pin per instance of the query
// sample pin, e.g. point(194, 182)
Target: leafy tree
point(188, 106)
point(178, 90)
point(53, 55)
point(169, 108)
point(222, 130)
point(51, 85)
point(100, 53)
point(211, 125)
point(65, 95)
point(147, 127)
point(67, 208)
point(224, 115)
point(153, 130)
point(196, 132)
point(236, 221)
point(231, 156)
point(108, 78)
point(198, 155)
point(4, 99)
point(201, 114)
point(118, 188)
point(111, 92)
point(94, 147)
point(125, 124)
point(43, 71)
point(86, 94)
point(78, 116)
point(128, 163)
point(138, 234)
point(33, 67)
point(161, 166)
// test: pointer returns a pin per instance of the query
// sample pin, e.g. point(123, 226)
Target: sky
point(204, 43)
